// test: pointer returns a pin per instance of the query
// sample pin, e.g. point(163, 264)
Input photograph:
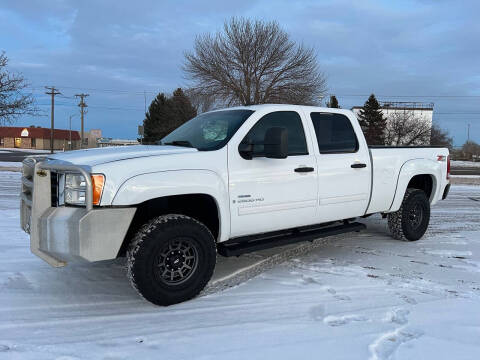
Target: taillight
point(448, 167)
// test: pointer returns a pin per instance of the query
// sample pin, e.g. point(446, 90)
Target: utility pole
point(145, 101)
point(53, 91)
point(468, 132)
point(82, 105)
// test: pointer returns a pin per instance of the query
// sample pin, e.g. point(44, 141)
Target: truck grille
point(27, 189)
point(26, 195)
point(54, 188)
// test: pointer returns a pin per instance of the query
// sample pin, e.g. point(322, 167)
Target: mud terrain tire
point(171, 259)
point(411, 221)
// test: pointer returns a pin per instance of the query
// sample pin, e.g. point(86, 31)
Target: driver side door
point(272, 194)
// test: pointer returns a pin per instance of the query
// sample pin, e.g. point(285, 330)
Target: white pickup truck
point(228, 181)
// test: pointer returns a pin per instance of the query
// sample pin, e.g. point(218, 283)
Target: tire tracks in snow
point(245, 274)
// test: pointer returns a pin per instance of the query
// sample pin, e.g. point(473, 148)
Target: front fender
point(149, 186)
point(412, 168)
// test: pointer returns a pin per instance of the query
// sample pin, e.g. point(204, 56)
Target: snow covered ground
point(357, 296)
point(465, 179)
point(10, 164)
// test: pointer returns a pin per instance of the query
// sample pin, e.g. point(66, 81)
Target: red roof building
point(38, 138)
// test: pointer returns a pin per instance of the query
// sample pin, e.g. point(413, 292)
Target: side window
point(334, 133)
point(290, 120)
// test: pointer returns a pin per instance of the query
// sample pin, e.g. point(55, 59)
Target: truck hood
point(97, 156)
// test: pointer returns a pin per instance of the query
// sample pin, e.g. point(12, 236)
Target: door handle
point(358, 165)
point(304, 169)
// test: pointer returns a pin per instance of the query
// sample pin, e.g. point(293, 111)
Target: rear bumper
point(445, 192)
point(61, 234)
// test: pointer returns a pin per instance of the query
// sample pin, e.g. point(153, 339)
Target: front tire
point(411, 221)
point(171, 259)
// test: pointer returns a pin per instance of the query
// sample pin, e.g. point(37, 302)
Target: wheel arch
point(423, 182)
point(201, 194)
point(420, 174)
point(201, 207)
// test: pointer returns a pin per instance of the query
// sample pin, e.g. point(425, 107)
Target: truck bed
point(387, 164)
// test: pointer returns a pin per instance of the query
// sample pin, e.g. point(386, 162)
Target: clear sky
point(123, 51)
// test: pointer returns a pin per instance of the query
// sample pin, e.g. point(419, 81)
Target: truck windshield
point(208, 131)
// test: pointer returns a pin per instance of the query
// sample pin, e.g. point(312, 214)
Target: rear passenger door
point(343, 167)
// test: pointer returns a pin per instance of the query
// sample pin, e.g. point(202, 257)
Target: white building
point(415, 110)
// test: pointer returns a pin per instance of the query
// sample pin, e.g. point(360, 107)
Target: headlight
point(75, 189)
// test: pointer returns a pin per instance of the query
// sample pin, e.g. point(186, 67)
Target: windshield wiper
point(184, 143)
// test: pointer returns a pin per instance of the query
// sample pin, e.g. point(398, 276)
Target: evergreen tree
point(182, 107)
point(156, 122)
point(165, 114)
point(333, 102)
point(440, 137)
point(372, 122)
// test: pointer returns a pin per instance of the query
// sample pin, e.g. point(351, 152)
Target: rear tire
point(411, 221)
point(171, 259)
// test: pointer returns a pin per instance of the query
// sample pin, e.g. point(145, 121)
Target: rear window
point(334, 133)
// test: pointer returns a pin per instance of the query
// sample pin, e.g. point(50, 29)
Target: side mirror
point(276, 143)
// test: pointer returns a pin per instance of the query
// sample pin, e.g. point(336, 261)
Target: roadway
point(7, 155)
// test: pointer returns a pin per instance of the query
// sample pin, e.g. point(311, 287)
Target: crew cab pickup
point(228, 181)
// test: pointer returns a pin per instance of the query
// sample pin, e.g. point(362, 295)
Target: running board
point(246, 244)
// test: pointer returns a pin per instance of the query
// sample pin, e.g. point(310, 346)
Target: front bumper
point(61, 234)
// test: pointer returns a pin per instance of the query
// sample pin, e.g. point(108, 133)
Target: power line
point(409, 96)
point(98, 107)
point(120, 91)
point(457, 113)
point(143, 92)
point(67, 97)
point(142, 109)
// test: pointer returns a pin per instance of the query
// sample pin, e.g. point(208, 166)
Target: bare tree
point(471, 149)
point(404, 128)
point(254, 62)
point(14, 101)
point(200, 101)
